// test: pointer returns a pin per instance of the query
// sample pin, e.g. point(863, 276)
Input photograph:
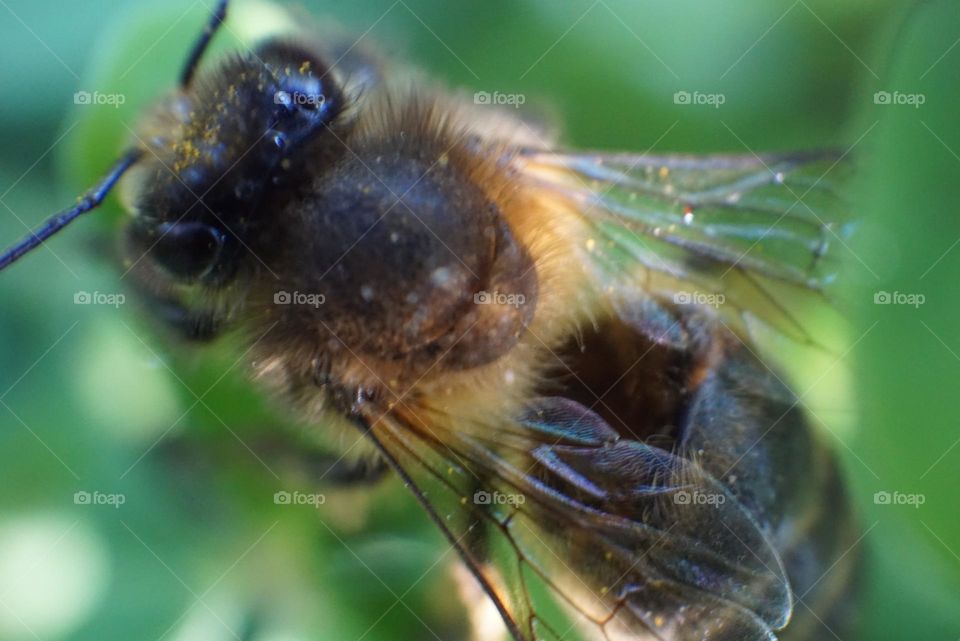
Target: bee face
point(221, 153)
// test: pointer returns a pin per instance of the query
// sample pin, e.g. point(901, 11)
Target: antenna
point(98, 193)
point(193, 60)
point(91, 200)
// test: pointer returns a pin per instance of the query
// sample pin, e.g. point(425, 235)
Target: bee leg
point(349, 401)
point(186, 324)
point(361, 397)
point(189, 325)
point(280, 450)
point(283, 450)
point(334, 470)
point(320, 370)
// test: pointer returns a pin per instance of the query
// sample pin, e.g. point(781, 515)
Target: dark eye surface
point(304, 94)
point(304, 105)
point(189, 251)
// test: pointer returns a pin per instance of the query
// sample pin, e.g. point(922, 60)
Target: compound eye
point(305, 104)
point(189, 251)
point(304, 93)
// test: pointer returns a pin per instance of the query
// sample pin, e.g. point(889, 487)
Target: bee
point(525, 335)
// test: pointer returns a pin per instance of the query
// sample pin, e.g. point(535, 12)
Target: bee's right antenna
point(91, 200)
point(96, 195)
point(193, 61)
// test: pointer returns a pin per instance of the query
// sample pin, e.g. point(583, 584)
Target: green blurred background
point(89, 401)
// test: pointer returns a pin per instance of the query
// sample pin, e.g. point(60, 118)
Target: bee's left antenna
point(91, 200)
point(193, 60)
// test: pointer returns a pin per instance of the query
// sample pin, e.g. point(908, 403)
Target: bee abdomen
point(710, 400)
point(749, 431)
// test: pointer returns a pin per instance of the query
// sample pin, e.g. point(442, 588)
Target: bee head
point(221, 151)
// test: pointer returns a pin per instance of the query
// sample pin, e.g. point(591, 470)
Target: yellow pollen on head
point(186, 154)
point(210, 135)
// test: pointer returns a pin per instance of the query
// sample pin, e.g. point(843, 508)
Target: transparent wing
point(556, 508)
point(755, 236)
